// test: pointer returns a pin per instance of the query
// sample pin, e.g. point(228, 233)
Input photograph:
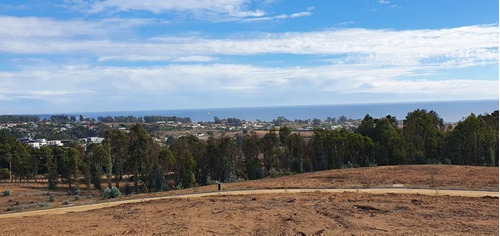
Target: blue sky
point(113, 55)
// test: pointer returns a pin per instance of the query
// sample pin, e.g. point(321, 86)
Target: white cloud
point(300, 14)
point(158, 6)
point(452, 47)
point(196, 59)
point(384, 2)
point(36, 27)
point(70, 81)
point(281, 16)
point(212, 10)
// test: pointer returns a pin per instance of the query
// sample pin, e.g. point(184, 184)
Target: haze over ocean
point(450, 111)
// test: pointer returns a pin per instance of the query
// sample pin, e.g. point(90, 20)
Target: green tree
point(187, 169)
point(359, 149)
point(366, 128)
point(296, 151)
point(270, 144)
point(118, 143)
point(472, 142)
point(198, 149)
point(70, 165)
point(285, 132)
point(97, 159)
point(390, 147)
point(138, 145)
point(51, 165)
point(251, 151)
point(423, 136)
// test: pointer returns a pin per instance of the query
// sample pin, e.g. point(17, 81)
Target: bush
point(6, 192)
point(210, 181)
point(179, 186)
point(111, 193)
point(89, 196)
point(52, 198)
point(66, 202)
point(20, 207)
point(77, 198)
point(43, 204)
point(349, 165)
point(278, 173)
point(164, 187)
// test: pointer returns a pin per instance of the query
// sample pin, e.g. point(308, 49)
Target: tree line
point(145, 119)
point(188, 161)
point(18, 118)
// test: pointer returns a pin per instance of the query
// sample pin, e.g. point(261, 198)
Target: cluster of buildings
point(38, 143)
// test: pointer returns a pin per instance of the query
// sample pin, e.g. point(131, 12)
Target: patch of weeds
point(43, 204)
point(52, 198)
point(433, 184)
point(89, 196)
point(66, 202)
point(20, 207)
point(179, 186)
point(77, 197)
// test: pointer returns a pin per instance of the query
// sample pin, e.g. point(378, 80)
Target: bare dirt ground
point(273, 214)
point(265, 213)
point(412, 176)
point(87, 207)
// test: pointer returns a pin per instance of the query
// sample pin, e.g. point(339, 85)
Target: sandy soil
point(273, 214)
point(441, 176)
point(87, 207)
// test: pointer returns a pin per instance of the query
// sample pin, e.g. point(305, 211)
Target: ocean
point(450, 111)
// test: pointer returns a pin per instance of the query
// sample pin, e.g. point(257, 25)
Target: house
point(57, 143)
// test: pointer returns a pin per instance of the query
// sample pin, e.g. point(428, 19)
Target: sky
point(123, 55)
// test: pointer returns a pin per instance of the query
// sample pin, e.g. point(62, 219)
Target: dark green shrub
point(52, 198)
point(77, 198)
point(111, 193)
point(164, 187)
point(66, 202)
point(6, 192)
point(20, 207)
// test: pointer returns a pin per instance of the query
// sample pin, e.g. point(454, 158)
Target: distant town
point(61, 129)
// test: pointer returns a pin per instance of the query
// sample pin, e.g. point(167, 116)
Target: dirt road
point(56, 211)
